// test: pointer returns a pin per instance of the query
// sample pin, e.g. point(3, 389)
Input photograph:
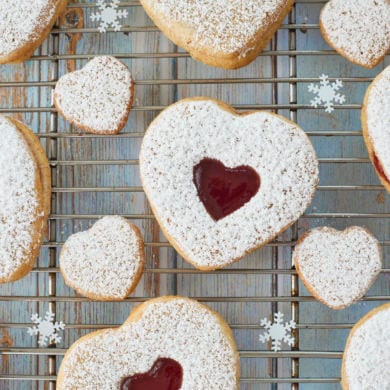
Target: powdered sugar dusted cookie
point(24, 26)
point(97, 98)
point(24, 198)
point(166, 343)
point(366, 359)
point(106, 261)
point(338, 267)
point(376, 125)
point(223, 184)
point(359, 30)
point(225, 33)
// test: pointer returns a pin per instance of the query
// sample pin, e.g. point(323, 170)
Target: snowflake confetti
point(277, 332)
point(108, 15)
point(46, 328)
point(326, 93)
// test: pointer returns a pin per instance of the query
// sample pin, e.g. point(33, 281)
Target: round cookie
point(97, 98)
point(338, 267)
point(222, 33)
point(222, 184)
point(24, 26)
point(195, 337)
point(366, 358)
point(359, 30)
point(25, 190)
point(106, 261)
point(376, 125)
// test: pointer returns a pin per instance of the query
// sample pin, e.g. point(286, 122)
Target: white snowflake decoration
point(277, 332)
point(326, 93)
point(108, 15)
point(46, 328)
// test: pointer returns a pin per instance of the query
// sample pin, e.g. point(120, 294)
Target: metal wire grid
point(52, 137)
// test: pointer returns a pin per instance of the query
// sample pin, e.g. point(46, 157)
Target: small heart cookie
point(337, 267)
point(224, 33)
point(24, 26)
point(97, 98)
point(179, 337)
point(366, 358)
point(25, 191)
point(223, 184)
point(376, 125)
point(106, 261)
point(359, 30)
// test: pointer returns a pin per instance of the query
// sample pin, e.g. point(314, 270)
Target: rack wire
point(25, 366)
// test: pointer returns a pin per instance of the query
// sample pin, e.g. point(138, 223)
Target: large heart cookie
point(106, 261)
point(24, 198)
point(366, 358)
point(338, 267)
point(376, 125)
point(223, 184)
point(359, 30)
point(225, 33)
point(24, 25)
point(191, 343)
point(97, 98)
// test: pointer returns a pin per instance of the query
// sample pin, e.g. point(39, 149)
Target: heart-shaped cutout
point(196, 129)
point(97, 98)
point(106, 261)
point(359, 30)
point(338, 267)
point(194, 336)
point(376, 125)
point(224, 33)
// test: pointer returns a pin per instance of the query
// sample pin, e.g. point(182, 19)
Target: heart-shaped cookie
point(97, 98)
point(376, 125)
point(338, 267)
point(224, 33)
point(106, 261)
point(24, 26)
point(24, 198)
point(168, 332)
point(366, 358)
point(278, 180)
point(359, 30)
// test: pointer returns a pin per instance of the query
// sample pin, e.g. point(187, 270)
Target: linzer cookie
point(97, 98)
point(366, 358)
point(338, 267)
point(376, 125)
point(105, 262)
point(24, 198)
point(359, 30)
point(168, 343)
point(222, 184)
point(24, 26)
point(224, 33)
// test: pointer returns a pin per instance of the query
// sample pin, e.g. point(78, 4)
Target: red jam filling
point(166, 374)
point(224, 190)
point(379, 168)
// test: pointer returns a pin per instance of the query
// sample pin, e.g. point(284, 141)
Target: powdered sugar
point(19, 205)
point(367, 358)
point(20, 19)
point(338, 267)
point(178, 328)
point(359, 28)
point(378, 118)
point(191, 130)
point(98, 97)
point(104, 261)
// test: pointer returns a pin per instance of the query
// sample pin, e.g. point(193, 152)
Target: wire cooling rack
point(98, 175)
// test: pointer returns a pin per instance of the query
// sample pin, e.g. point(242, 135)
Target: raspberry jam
point(379, 168)
point(224, 190)
point(166, 374)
